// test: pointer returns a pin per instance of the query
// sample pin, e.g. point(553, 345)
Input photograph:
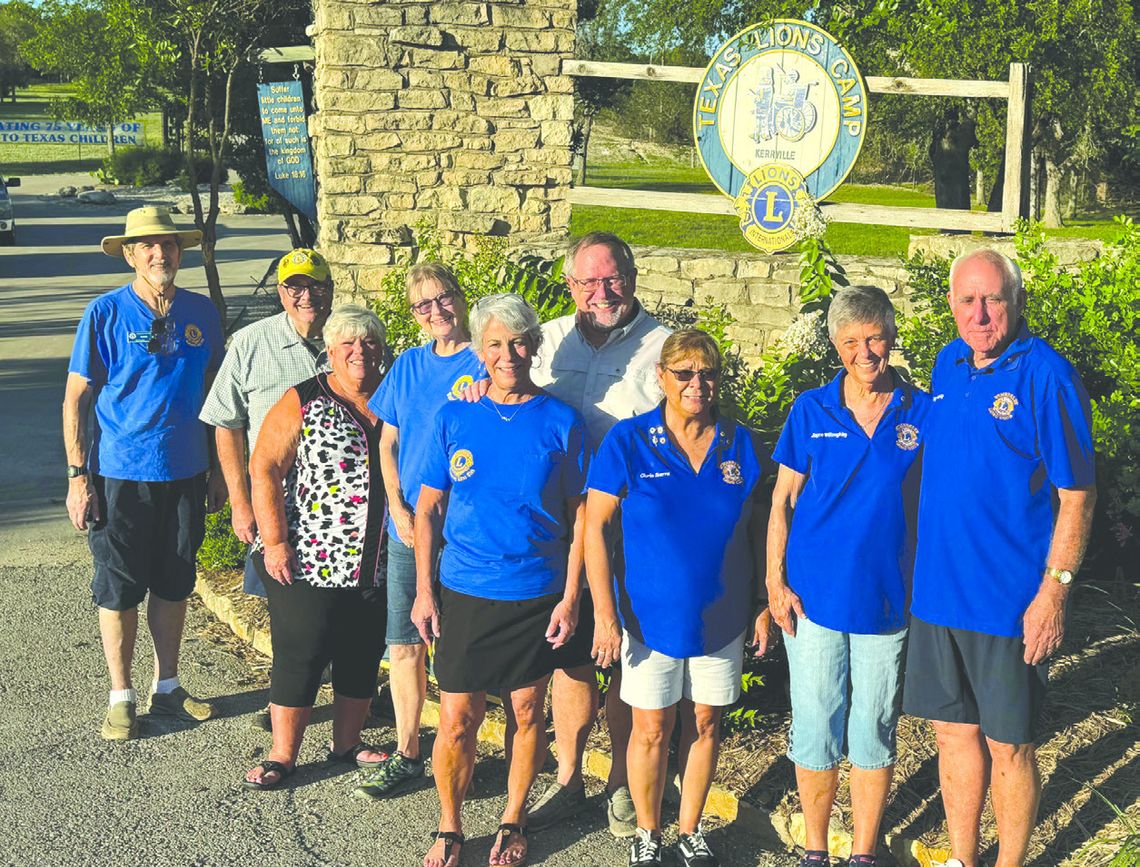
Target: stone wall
point(451, 112)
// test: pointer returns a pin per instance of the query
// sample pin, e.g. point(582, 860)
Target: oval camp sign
point(782, 92)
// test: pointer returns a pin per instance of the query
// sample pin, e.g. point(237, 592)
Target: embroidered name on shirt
point(937, 397)
point(829, 435)
point(653, 475)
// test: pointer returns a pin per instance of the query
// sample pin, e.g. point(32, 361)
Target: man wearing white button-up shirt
point(601, 360)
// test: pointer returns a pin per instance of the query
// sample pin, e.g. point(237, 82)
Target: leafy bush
point(1088, 313)
point(221, 549)
point(142, 166)
point(266, 202)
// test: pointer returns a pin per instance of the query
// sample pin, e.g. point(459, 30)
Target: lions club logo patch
point(906, 437)
point(730, 471)
point(460, 385)
point(1003, 406)
point(462, 465)
point(193, 335)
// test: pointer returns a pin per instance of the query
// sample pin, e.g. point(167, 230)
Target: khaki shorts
point(652, 680)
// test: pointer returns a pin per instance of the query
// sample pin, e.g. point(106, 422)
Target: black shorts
point(959, 676)
point(147, 539)
point(576, 652)
point(491, 645)
point(313, 626)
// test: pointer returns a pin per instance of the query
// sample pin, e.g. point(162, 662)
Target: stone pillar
point(450, 112)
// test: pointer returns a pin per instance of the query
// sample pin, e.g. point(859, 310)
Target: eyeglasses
point(445, 300)
point(161, 337)
point(705, 374)
point(315, 290)
point(593, 284)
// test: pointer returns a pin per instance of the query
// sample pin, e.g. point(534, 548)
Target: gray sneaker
point(120, 723)
point(555, 804)
point(395, 773)
point(621, 813)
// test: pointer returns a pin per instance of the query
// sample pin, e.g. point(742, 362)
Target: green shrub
point(258, 203)
point(142, 166)
point(1089, 315)
point(221, 549)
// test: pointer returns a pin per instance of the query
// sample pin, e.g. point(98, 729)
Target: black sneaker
point(391, 776)
point(645, 850)
point(695, 852)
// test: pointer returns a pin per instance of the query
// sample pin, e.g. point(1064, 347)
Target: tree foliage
point(18, 23)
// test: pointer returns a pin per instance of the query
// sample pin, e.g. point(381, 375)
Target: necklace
point(864, 422)
point(506, 418)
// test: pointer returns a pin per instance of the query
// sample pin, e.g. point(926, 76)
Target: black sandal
point(269, 767)
point(450, 839)
point(504, 833)
point(351, 756)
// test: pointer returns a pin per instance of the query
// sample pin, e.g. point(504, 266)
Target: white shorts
point(652, 680)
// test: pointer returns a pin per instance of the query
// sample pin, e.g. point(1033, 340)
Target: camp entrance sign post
point(288, 161)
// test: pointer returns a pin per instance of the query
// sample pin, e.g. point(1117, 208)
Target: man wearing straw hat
point(144, 356)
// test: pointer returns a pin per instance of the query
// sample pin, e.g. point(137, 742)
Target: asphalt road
point(172, 797)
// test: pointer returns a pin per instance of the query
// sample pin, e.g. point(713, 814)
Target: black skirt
point(491, 645)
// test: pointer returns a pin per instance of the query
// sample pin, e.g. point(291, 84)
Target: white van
point(7, 220)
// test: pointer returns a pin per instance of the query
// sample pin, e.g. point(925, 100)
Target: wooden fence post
point(1015, 191)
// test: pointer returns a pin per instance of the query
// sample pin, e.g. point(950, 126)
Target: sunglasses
point(705, 374)
point(161, 336)
point(445, 300)
point(315, 290)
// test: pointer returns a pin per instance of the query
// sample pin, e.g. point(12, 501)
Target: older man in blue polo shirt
point(1009, 433)
point(143, 358)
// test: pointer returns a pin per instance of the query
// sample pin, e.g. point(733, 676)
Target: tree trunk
point(587, 128)
point(993, 203)
point(953, 137)
point(111, 139)
point(1051, 210)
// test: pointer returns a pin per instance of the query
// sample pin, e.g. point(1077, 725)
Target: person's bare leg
point(288, 728)
point(1015, 787)
point(349, 715)
point(869, 790)
point(817, 794)
point(118, 630)
point(453, 760)
point(700, 743)
point(165, 620)
point(619, 722)
point(964, 775)
point(574, 698)
point(646, 762)
point(407, 678)
point(527, 755)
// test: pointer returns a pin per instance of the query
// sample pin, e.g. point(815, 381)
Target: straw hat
point(151, 220)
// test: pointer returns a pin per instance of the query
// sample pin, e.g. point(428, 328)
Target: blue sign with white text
point(286, 133)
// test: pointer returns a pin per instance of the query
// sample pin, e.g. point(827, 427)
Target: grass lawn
point(34, 103)
point(707, 231)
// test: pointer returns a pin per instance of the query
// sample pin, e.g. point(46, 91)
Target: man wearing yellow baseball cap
point(264, 360)
point(143, 359)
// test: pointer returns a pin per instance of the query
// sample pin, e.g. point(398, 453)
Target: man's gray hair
point(618, 248)
point(862, 305)
point(511, 310)
point(351, 321)
point(1012, 283)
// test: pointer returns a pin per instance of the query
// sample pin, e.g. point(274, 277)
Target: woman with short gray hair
point(504, 487)
point(849, 465)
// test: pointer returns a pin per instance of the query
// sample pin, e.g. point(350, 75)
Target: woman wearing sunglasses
point(685, 482)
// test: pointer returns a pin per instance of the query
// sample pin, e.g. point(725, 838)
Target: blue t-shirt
point(850, 549)
point(685, 587)
point(998, 440)
point(147, 403)
point(419, 383)
point(507, 530)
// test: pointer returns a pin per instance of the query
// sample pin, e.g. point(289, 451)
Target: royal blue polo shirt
point(686, 578)
point(850, 548)
point(1000, 439)
point(419, 383)
point(509, 470)
point(148, 395)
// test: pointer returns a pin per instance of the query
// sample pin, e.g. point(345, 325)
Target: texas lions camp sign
point(779, 120)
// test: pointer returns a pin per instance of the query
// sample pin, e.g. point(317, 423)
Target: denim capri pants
point(846, 696)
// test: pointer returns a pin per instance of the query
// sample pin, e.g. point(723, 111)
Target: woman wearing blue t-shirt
point(680, 486)
point(421, 381)
point(840, 550)
point(502, 484)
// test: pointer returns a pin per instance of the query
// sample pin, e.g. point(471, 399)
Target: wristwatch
point(74, 472)
point(1063, 576)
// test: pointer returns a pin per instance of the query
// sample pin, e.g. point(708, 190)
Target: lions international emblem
point(193, 335)
point(730, 470)
point(458, 387)
point(767, 204)
point(906, 437)
point(1003, 406)
point(462, 465)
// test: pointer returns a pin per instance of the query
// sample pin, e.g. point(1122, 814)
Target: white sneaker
point(953, 862)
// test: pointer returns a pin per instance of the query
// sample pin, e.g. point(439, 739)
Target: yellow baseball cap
point(303, 261)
